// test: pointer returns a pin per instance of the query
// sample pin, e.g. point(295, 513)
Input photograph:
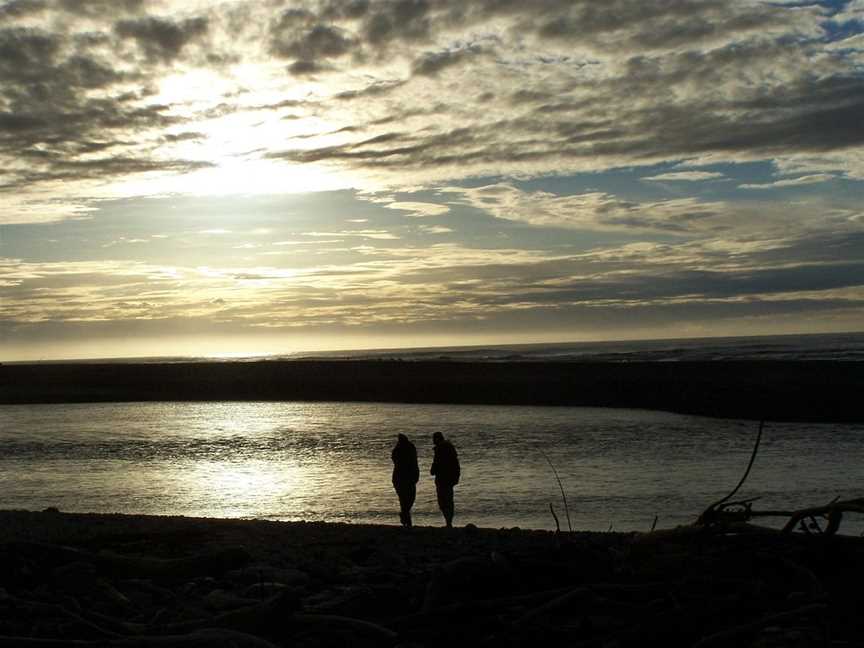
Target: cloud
point(304, 67)
point(444, 109)
point(686, 176)
point(431, 63)
point(409, 92)
point(590, 211)
point(436, 229)
point(688, 218)
point(417, 288)
point(311, 43)
point(100, 8)
point(851, 11)
point(383, 235)
point(393, 20)
point(792, 182)
point(419, 209)
point(162, 40)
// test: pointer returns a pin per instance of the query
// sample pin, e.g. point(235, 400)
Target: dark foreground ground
point(778, 391)
point(136, 581)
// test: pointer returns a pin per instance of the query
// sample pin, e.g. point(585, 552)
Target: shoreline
point(800, 391)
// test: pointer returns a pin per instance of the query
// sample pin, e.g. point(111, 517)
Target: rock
point(388, 559)
point(267, 574)
point(264, 590)
point(220, 600)
point(157, 592)
point(74, 572)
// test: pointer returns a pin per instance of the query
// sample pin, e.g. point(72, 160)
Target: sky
point(180, 177)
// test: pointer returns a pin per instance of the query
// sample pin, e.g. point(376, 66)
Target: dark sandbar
point(814, 391)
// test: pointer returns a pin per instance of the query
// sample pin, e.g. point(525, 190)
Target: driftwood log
point(207, 564)
point(199, 639)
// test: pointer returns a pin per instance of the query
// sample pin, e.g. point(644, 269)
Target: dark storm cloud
point(160, 39)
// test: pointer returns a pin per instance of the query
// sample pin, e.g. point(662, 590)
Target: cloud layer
point(552, 165)
point(410, 91)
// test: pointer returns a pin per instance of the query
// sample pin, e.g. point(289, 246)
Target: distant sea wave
point(842, 346)
point(817, 347)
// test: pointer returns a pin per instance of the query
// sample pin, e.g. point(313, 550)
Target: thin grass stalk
point(561, 487)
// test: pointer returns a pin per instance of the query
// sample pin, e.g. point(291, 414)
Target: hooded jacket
point(445, 464)
point(404, 456)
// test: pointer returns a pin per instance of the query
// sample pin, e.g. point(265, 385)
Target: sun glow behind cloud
point(232, 176)
point(228, 144)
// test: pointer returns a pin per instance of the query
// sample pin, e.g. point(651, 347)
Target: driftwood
point(817, 609)
point(723, 511)
point(709, 516)
point(200, 639)
point(116, 565)
point(277, 617)
point(832, 512)
point(14, 605)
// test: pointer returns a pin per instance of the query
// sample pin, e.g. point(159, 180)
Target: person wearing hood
point(445, 467)
point(406, 474)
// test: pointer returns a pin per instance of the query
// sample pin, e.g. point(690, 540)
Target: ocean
point(819, 346)
point(816, 346)
point(331, 461)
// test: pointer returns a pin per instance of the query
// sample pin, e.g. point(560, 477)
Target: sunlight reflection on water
point(332, 461)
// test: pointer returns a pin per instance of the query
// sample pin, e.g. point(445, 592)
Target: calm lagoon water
point(331, 461)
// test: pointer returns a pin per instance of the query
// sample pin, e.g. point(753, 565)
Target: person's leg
point(410, 491)
point(407, 494)
point(445, 501)
point(400, 492)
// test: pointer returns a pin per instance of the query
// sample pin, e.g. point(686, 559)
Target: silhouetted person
point(406, 474)
point(445, 467)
